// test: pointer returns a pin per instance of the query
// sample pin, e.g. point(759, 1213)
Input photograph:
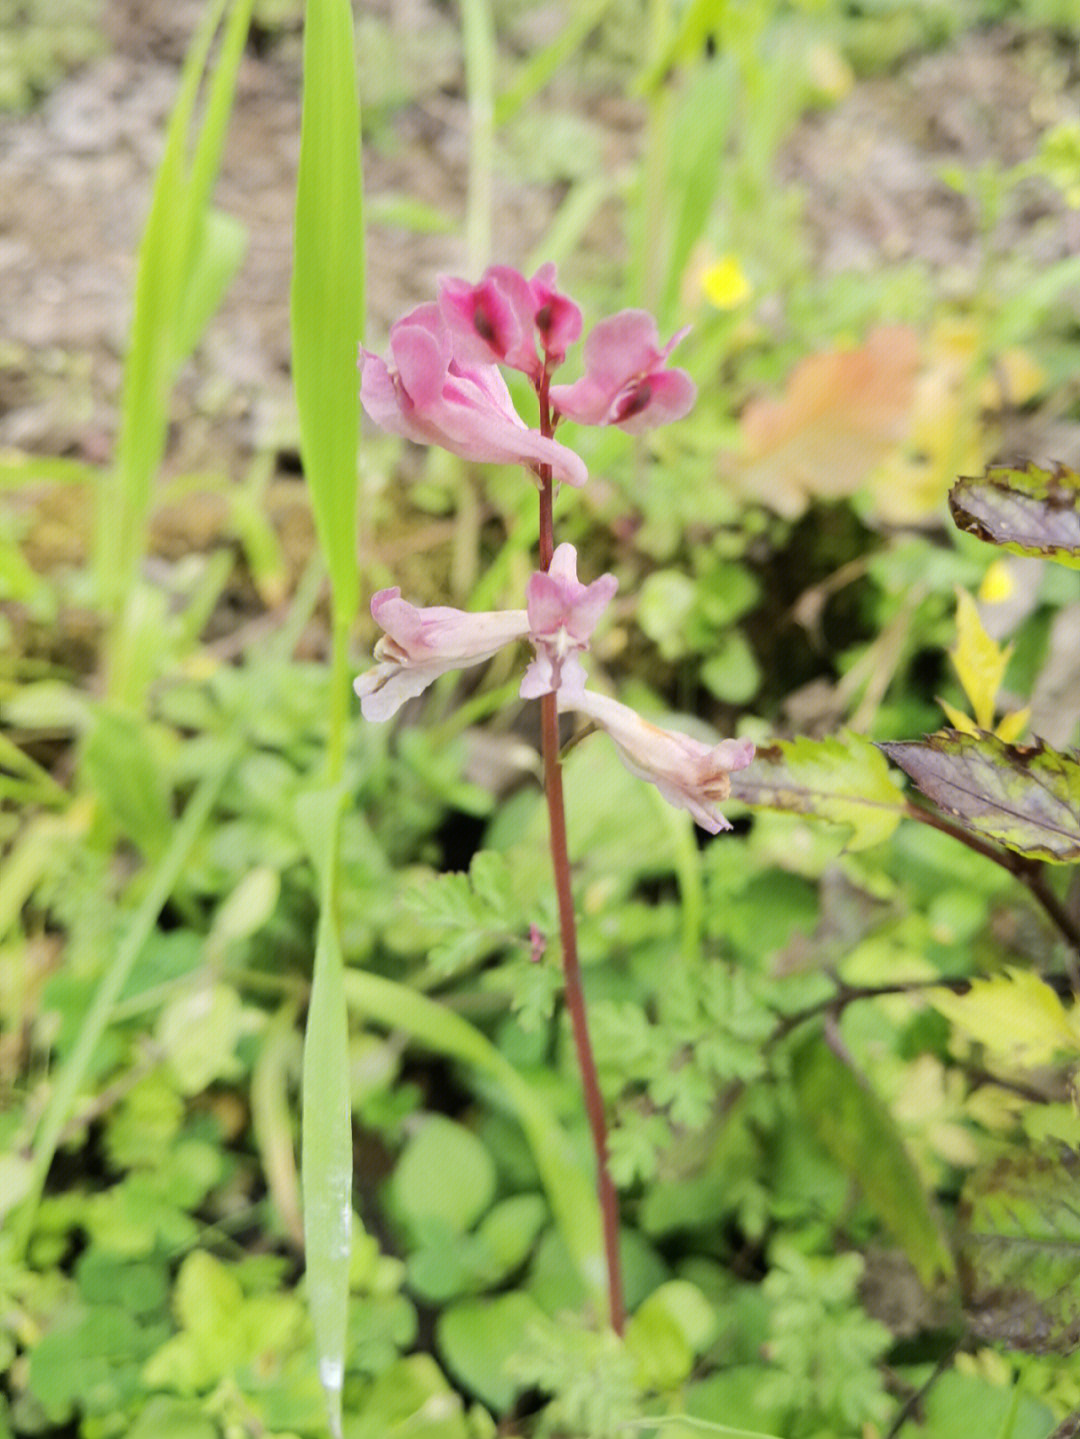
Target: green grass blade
point(326, 1148)
point(327, 289)
point(543, 64)
point(167, 254)
point(71, 1076)
point(570, 1191)
point(478, 29)
point(327, 305)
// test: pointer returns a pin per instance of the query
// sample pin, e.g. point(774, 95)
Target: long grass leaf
point(163, 270)
point(478, 34)
point(327, 289)
point(327, 304)
point(543, 64)
point(326, 1147)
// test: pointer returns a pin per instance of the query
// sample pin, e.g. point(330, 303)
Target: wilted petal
point(419, 645)
point(626, 382)
point(689, 774)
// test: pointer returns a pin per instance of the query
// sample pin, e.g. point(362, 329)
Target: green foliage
point(180, 858)
point(824, 1350)
point(40, 42)
point(862, 1135)
point(842, 781)
point(1020, 1245)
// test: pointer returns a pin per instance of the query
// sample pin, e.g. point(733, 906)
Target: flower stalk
point(442, 385)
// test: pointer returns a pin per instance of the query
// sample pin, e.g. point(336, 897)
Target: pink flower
point(557, 318)
point(434, 399)
point(625, 381)
point(421, 644)
point(498, 320)
point(690, 775)
point(562, 615)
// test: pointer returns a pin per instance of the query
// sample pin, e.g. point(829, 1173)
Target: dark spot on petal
point(634, 401)
point(483, 326)
point(543, 319)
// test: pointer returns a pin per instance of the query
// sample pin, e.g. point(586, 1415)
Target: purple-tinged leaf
point(1027, 511)
point(1020, 1250)
point(1026, 797)
point(841, 780)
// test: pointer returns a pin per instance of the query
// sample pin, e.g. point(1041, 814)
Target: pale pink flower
point(419, 645)
point(562, 615)
point(689, 774)
point(432, 398)
point(499, 320)
point(626, 382)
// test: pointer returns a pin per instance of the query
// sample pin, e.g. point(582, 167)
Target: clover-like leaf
point(842, 780)
point(1020, 1250)
point(1027, 511)
point(1027, 797)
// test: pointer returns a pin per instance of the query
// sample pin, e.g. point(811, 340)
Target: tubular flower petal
point(690, 775)
point(562, 616)
point(419, 645)
point(626, 382)
point(434, 399)
point(499, 320)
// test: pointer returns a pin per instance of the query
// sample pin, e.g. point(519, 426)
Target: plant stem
point(575, 995)
point(1030, 872)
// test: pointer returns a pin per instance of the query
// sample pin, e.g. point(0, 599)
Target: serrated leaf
point(1015, 1015)
point(1027, 797)
point(860, 1133)
point(1020, 1250)
point(1027, 511)
point(841, 780)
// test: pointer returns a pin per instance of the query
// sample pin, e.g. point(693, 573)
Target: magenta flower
point(690, 775)
point(419, 645)
point(435, 399)
point(625, 381)
point(498, 320)
point(562, 616)
point(557, 318)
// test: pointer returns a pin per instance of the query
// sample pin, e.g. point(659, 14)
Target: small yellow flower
point(998, 584)
point(725, 283)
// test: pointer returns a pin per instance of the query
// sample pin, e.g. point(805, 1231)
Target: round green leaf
point(444, 1174)
point(478, 1337)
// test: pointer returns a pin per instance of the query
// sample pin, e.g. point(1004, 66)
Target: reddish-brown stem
point(575, 995)
point(575, 1004)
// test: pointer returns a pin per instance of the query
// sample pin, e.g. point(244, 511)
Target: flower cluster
point(442, 385)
